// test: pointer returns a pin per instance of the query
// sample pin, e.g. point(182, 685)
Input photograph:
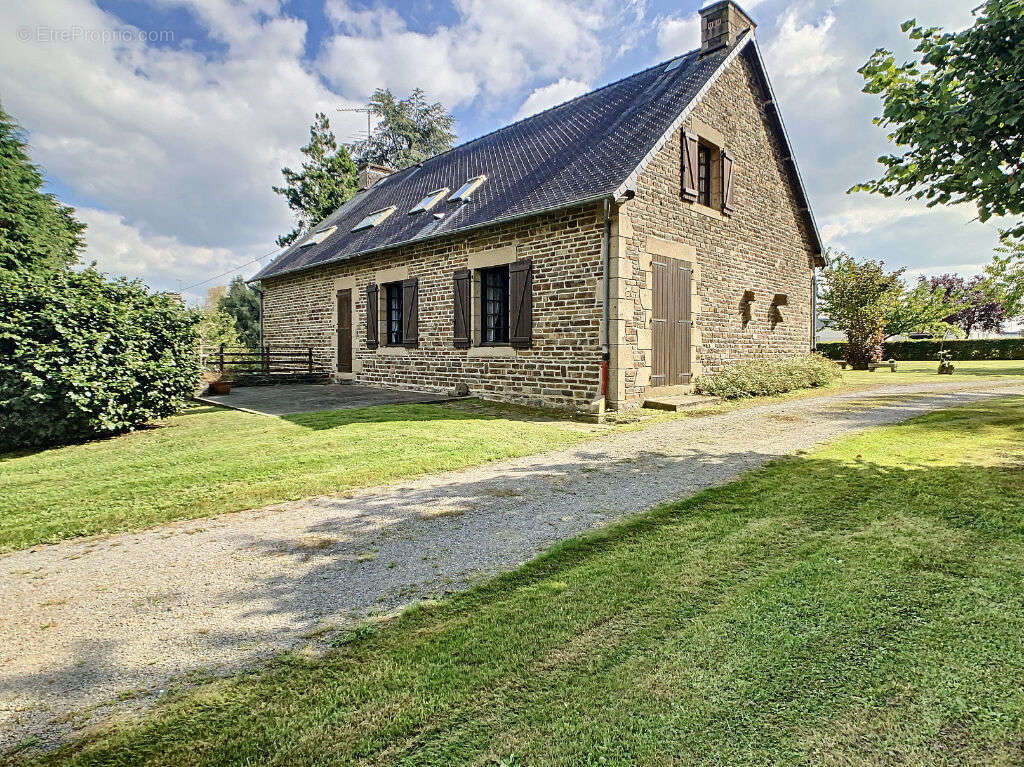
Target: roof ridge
point(555, 106)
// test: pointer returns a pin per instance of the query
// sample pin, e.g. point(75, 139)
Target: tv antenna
point(369, 114)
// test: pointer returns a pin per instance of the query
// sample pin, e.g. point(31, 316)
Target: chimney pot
point(721, 24)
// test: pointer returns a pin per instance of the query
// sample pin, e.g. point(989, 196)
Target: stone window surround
point(477, 260)
point(383, 277)
point(715, 140)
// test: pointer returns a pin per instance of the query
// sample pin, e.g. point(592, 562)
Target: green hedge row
point(977, 349)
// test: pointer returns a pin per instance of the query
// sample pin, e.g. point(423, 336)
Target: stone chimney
point(721, 23)
point(370, 173)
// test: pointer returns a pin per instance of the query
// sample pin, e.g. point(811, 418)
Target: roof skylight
point(464, 191)
point(374, 218)
point(318, 237)
point(430, 200)
point(674, 64)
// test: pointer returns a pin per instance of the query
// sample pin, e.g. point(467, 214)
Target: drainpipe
point(606, 261)
point(814, 310)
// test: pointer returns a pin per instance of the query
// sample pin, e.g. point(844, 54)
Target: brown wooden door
point(670, 322)
point(345, 331)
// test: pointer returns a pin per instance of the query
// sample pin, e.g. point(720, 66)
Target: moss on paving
point(858, 604)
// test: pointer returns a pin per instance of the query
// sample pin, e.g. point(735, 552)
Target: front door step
point(676, 402)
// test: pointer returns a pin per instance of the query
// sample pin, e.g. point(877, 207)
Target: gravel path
point(85, 622)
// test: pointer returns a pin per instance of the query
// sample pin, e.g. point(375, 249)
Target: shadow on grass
point(430, 668)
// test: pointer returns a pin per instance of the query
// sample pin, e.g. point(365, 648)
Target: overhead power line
point(230, 271)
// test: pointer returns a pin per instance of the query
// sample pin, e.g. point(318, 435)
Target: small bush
point(962, 350)
point(82, 356)
point(767, 377)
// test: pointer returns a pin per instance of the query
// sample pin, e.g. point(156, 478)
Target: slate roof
point(579, 151)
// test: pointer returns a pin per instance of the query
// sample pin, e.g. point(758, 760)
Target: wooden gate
point(671, 322)
point(345, 331)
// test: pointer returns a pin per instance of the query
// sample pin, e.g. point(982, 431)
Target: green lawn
point(214, 460)
point(925, 372)
point(859, 604)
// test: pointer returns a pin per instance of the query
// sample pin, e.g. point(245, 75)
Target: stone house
point(599, 252)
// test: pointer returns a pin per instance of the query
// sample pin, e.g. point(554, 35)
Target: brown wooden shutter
point(410, 312)
point(689, 169)
point(462, 309)
point(727, 166)
point(520, 299)
point(372, 326)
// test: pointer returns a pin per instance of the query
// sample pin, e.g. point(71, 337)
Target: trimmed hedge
point(767, 377)
point(82, 357)
point(976, 349)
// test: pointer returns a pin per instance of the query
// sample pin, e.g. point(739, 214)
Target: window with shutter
point(393, 314)
point(463, 317)
point(520, 278)
point(494, 311)
point(410, 312)
point(727, 172)
point(372, 328)
point(689, 162)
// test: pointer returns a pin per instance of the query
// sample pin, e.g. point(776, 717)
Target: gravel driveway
point(85, 622)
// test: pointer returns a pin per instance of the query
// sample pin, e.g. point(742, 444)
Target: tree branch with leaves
point(957, 112)
point(410, 130)
point(327, 179)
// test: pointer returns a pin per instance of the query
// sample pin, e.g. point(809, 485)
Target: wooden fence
point(266, 360)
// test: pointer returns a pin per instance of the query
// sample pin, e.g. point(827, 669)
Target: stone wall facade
point(562, 367)
point(764, 246)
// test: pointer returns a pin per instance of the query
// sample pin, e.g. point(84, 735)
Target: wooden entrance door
point(671, 322)
point(345, 330)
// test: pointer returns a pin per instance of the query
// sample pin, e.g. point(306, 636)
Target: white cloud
point(496, 47)
point(678, 34)
point(802, 59)
point(121, 249)
point(179, 144)
point(551, 95)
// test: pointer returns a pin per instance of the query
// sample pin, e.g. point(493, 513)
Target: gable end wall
point(764, 246)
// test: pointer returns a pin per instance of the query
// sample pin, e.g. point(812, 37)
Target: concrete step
point(676, 402)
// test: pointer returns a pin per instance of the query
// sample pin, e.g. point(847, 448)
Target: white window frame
point(464, 191)
point(428, 202)
point(374, 219)
point(318, 237)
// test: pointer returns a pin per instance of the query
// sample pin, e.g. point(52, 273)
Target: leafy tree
point(410, 131)
point(328, 178)
point(974, 304)
point(958, 112)
point(242, 304)
point(37, 233)
point(1006, 272)
point(216, 327)
point(82, 356)
point(869, 304)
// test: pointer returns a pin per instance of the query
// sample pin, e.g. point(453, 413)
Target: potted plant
point(218, 381)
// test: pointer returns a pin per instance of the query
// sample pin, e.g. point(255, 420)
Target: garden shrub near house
point(767, 377)
point(82, 356)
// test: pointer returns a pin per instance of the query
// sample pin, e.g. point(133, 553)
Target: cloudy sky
point(166, 122)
